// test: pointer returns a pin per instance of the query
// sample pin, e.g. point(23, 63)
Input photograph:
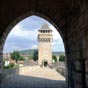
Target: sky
point(24, 35)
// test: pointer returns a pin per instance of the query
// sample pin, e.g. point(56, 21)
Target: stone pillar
point(77, 50)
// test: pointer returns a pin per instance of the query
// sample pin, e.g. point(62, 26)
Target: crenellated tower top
point(45, 34)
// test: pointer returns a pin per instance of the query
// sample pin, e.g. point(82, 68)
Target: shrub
point(11, 65)
point(54, 58)
point(62, 58)
point(21, 58)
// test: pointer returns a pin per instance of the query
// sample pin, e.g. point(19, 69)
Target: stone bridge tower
point(45, 38)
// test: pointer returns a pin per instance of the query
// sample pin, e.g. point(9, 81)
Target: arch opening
point(72, 14)
point(45, 63)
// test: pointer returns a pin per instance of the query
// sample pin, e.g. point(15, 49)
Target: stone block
point(0, 64)
point(86, 66)
point(87, 79)
point(83, 6)
point(84, 44)
point(84, 19)
point(78, 80)
point(0, 70)
point(0, 78)
point(85, 53)
point(1, 58)
point(78, 65)
point(76, 55)
point(78, 86)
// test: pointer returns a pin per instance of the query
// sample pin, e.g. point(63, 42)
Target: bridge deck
point(35, 77)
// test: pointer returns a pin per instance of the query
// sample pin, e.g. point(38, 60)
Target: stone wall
point(7, 73)
point(61, 70)
point(77, 49)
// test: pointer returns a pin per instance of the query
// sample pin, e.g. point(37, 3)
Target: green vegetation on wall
point(54, 58)
point(62, 58)
point(11, 65)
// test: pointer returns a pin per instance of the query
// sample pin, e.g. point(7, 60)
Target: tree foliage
point(35, 55)
point(16, 56)
point(30, 58)
point(62, 58)
point(54, 58)
point(11, 65)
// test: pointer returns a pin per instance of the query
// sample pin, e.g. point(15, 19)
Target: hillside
point(31, 52)
point(59, 53)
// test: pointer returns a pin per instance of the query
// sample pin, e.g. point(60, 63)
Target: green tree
point(21, 58)
point(16, 56)
point(35, 55)
point(54, 58)
point(62, 58)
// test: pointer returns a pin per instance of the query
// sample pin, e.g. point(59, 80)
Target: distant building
point(26, 56)
point(6, 56)
point(20, 63)
point(45, 38)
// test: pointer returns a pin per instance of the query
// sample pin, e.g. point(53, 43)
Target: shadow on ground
point(21, 81)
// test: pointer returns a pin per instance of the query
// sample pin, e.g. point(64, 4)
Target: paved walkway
point(36, 77)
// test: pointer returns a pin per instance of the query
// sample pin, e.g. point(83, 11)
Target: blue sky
point(24, 35)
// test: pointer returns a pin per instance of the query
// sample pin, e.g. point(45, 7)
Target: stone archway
point(11, 25)
point(44, 63)
point(70, 16)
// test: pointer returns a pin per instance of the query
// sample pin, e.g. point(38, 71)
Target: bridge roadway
point(35, 77)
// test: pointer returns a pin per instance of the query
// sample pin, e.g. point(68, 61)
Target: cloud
point(19, 33)
point(32, 22)
point(58, 46)
point(55, 33)
point(25, 37)
point(9, 47)
point(57, 40)
point(34, 47)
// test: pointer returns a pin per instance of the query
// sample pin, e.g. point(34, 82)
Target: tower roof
point(45, 27)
